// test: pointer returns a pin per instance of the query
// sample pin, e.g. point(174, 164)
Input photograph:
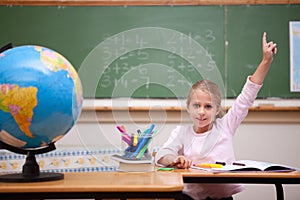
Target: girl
point(209, 139)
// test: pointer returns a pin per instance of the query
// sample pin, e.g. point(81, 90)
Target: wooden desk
point(120, 185)
point(276, 178)
point(98, 185)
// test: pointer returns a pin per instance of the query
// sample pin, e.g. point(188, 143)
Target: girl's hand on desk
point(181, 162)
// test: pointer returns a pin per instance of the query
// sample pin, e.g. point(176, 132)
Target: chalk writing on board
point(148, 57)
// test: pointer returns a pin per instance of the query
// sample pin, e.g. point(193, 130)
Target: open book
point(250, 165)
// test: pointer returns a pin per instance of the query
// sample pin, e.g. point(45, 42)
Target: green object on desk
point(165, 169)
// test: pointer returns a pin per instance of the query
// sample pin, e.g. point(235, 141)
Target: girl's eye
point(196, 105)
point(208, 106)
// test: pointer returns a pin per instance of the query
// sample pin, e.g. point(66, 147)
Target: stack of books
point(127, 164)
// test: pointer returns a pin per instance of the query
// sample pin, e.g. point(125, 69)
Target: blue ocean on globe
point(40, 96)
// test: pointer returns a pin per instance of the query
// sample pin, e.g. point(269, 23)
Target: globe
point(40, 96)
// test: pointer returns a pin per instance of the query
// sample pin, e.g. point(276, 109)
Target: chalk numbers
point(175, 58)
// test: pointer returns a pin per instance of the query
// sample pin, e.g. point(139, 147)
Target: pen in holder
point(137, 146)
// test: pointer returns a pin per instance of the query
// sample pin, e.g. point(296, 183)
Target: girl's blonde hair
point(211, 88)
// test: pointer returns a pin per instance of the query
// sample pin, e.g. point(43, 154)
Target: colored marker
point(123, 127)
point(165, 169)
point(144, 140)
point(238, 164)
point(221, 163)
point(125, 137)
point(139, 131)
point(208, 165)
point(135, 139)
point(144, 149)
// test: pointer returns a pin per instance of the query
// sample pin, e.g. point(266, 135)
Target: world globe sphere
point(40, 96)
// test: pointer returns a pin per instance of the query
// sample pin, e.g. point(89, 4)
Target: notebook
point(250, 165)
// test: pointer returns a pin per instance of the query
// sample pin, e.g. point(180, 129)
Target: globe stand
point(31, 170)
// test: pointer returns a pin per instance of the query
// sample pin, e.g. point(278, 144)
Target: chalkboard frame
point(142, 3)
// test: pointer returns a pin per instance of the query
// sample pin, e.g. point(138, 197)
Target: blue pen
point(144, 141)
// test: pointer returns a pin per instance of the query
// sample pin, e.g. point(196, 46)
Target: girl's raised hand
point(269, 49)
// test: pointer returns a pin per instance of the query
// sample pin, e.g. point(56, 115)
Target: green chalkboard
point(244, 31)
point(157, 51)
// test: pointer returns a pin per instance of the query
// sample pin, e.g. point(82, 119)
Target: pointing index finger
point(264, 40)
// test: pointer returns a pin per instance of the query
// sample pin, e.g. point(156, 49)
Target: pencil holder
point(136, 150)
point(139, 147)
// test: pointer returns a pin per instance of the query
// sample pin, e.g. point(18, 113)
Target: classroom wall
point(257, 138)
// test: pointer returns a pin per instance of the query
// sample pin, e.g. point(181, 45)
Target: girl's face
point(202, 110)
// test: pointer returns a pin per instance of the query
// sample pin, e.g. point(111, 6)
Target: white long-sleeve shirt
point(214, 145)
